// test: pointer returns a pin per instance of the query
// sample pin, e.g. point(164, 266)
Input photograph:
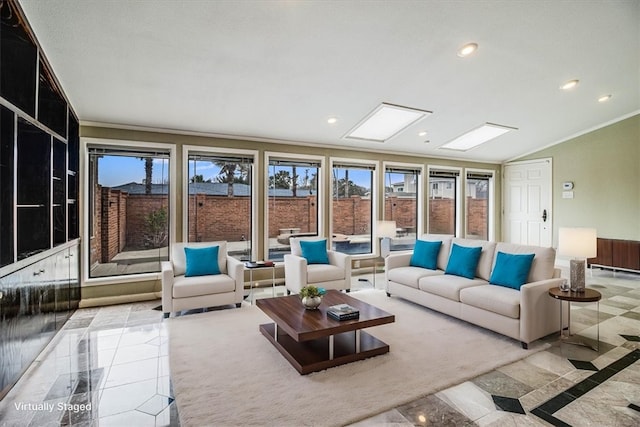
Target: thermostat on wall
point(568, 185)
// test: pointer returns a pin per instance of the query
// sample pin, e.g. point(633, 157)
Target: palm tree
point(148, 173)
point(227, 174)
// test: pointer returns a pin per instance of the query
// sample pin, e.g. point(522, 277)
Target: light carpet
point(226, 373)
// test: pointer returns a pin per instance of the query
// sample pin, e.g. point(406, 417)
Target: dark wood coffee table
point(311, 341)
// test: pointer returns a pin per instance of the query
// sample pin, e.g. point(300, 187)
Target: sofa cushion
point(511, 270)
point(543, 262)
point(317, 273)
point(447, 286)
point(443, 255)
point(184, 287)
point(315, 251)
point(179, 260)
point(201, 261)
point(425, 254)
point(463, 261)
point(410, 276)
point(485, 263)
point(497, 299)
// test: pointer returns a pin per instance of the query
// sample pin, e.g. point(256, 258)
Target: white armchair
point(298, 273)
point(185, 293)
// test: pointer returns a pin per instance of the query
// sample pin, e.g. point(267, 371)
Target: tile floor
point(109, 366)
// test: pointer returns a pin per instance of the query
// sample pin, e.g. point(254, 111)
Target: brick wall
point(228, 218)
point(138, 208)
point(351, 215)
point(219, 218)
point(477, 218)
point(113, 223)
point(287, 212)
point(402, 211)
point(441, 216)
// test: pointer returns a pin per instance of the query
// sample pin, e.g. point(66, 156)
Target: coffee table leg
point(275, 332)
point(330, 347)
point(357, 340)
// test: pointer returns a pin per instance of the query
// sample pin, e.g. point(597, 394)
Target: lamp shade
point(577, 242)
point(386, 229)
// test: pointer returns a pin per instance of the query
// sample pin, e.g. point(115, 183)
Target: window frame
point(221, 151)
point(457, 191)
point(320, 199)
point(85, 144)
point(491, 202)
point(375, 169)
point(419, 195)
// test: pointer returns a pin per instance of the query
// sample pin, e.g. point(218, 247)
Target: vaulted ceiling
point(277, 70)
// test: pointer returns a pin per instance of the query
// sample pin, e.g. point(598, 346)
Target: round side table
point(589, 295)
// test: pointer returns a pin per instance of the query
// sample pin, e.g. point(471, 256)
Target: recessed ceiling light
point(604, 98)
point(569, 85)
point(477, 136)
point(385, 122)
point(467, 49)
point(422, 133)
point(332, 120)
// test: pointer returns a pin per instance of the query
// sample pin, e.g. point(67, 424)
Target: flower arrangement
point(312, 291)
point(311, 296)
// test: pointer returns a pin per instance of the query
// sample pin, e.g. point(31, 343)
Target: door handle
point(544, 215)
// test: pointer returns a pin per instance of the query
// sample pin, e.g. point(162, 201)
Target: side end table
point(589, 295)
point(258, 266)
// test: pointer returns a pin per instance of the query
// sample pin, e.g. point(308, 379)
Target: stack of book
point(343, 312)
point(256, 264)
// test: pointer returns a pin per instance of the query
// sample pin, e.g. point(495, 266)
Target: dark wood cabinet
point(39, 227)
point(617, 254)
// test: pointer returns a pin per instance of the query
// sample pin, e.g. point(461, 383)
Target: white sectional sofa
point(526, 314)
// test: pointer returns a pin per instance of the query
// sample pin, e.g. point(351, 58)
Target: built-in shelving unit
point(39, 230)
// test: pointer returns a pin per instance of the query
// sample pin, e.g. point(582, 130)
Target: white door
point(527, 198)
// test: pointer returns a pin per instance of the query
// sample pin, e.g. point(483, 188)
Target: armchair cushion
point(318, 273)
point(315, 251)
point(201, 261)
point(179, 259)
point(185, 287)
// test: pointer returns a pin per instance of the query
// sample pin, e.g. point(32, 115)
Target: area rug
point(226, 373)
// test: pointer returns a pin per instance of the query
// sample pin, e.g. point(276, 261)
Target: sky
point(117, 170)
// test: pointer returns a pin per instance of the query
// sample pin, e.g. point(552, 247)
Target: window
point(401, 203)
point(293, 202)
point(352, 213)
point(130, 209)
point(443, 201)
point(479, 189)
point(221, 199)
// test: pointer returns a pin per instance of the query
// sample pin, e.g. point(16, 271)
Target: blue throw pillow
point(202, 261)
point(315, 251)
point(511, 270)
point(425, 254)
point(463, 261)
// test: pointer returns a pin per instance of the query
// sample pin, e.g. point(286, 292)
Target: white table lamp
point(385, 230)
point(580, 244)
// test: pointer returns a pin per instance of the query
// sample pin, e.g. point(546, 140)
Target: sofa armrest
point(295, 272)
point(166, 268)
point(235, 270)
point(539, 312)
point(397, 260)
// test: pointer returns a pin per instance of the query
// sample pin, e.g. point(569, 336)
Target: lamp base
point(577, 268)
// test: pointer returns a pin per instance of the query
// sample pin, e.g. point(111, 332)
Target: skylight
point(385, 122)
point(477, 136)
